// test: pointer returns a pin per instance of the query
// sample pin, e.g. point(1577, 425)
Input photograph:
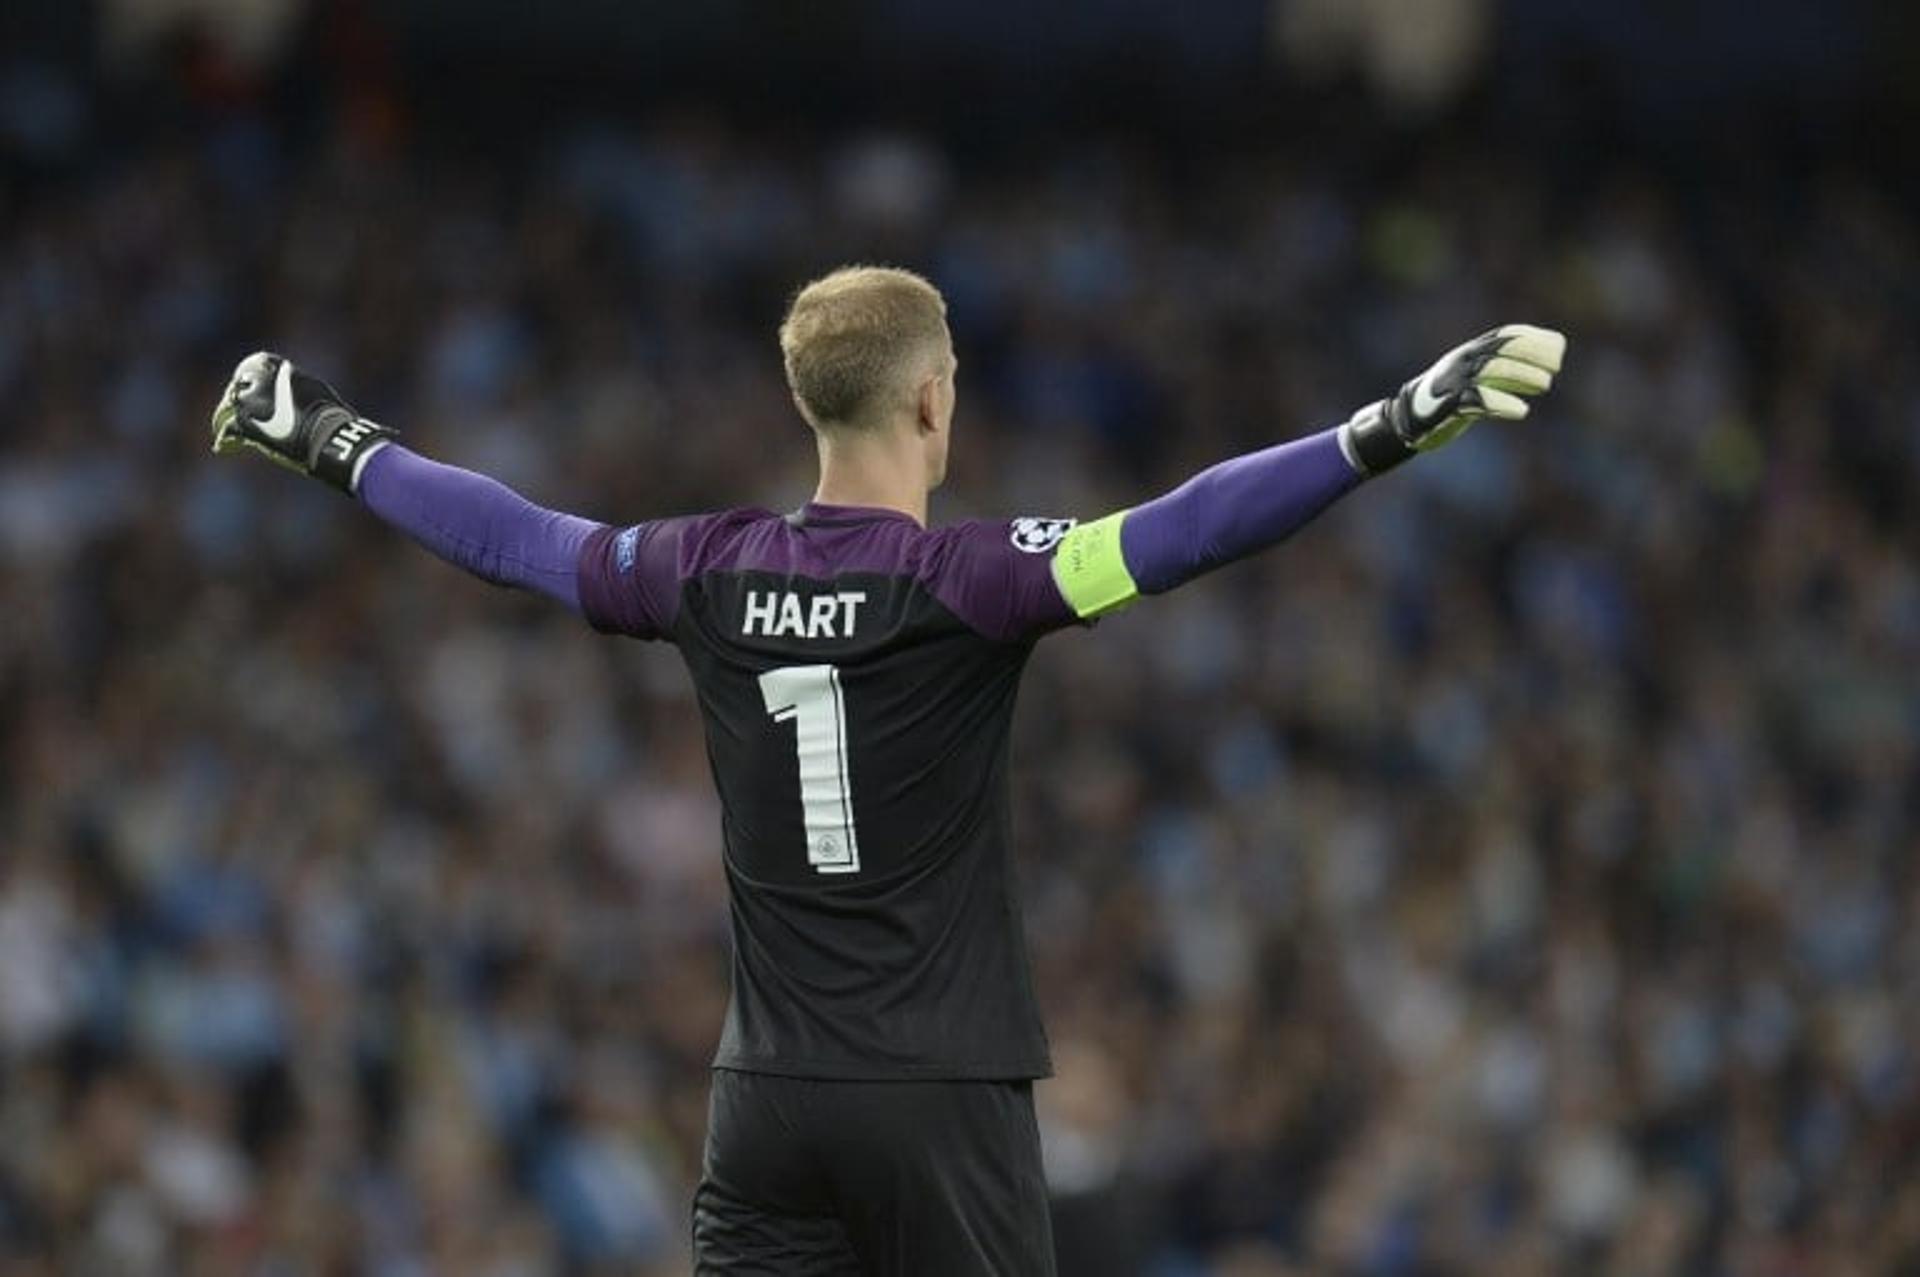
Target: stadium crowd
point(1510, 875)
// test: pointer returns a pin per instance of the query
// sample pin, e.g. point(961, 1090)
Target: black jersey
point(856, 674)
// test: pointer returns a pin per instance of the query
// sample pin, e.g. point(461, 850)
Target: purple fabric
point(478, 524)
point(1230, 510)
point(630, 579)
point(979, 571)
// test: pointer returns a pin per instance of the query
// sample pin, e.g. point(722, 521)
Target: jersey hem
point(848, 1071)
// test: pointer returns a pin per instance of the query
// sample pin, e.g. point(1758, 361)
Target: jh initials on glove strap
point(295, 420)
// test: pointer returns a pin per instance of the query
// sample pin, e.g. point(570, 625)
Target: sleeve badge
point(624, 547)
point(1032, 535)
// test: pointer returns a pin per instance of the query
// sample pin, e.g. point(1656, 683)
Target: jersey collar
point(815, 514)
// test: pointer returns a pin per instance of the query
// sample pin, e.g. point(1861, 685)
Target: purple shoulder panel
point(819, 542)
point(630, 577)
point(996, 577)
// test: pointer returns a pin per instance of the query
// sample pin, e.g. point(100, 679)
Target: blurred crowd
point(1510, 875)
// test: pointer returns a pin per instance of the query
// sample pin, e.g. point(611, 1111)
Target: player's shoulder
point(996, 574)
point(700, 542)
point(631, 576)
point(1005, 537)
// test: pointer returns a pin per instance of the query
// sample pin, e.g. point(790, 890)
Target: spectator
point(1509, 876)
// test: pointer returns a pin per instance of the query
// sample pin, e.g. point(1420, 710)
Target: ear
point(929, 405)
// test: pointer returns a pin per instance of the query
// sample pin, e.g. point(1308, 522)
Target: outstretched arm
point(477, 524)
point(467, 519)
point(1251, 502)
point(1230, 510)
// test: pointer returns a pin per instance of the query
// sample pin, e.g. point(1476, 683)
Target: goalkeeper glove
point(1486, 377)
point(295, 420)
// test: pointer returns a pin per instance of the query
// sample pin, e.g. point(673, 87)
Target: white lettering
point(759, 612)
point(790, 622)
point(347, 436)
point(849, 600)
point(783, 614)
point(820, 618)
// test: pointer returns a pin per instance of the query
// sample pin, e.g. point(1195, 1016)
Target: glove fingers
point(1499, 403)
point(1541, 347)
point(229, 438)
point(1514, 377)
point(226, 425)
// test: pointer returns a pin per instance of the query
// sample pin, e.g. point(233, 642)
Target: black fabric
point(1375, 442)
point(913, 965)
point(340, 439)
point(812, 1177)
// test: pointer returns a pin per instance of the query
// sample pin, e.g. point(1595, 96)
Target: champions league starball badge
point(1037, 535)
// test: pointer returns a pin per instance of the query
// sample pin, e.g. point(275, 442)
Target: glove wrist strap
point(342, 442)
point(1369, 441)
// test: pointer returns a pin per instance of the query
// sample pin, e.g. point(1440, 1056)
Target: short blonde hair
point(850, 338)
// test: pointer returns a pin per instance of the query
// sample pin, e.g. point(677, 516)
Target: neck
point(883, 470)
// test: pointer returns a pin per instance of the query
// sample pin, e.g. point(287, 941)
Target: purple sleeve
point(997, 576)
point(630, 577)
point(1233, 509)
point(477, 524)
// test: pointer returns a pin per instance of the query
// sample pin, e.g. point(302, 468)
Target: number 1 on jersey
point(810, 696)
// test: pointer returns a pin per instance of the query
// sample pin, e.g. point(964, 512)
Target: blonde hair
point(851, 337)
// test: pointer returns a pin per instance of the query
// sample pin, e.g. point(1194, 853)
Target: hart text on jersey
point(785, 614)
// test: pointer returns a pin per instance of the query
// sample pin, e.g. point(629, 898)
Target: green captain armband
point(1090, 570)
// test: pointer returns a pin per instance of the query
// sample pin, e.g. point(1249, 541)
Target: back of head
point(856, 343)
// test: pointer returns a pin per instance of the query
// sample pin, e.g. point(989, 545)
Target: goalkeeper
point(871, 1107)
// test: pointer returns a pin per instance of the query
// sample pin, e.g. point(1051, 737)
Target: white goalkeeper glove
point(1486, 377)
point(295, 420)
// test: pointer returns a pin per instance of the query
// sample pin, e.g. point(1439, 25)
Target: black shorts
point(806, 1177)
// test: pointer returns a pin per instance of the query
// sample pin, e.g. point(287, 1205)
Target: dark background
point(1770, 84)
